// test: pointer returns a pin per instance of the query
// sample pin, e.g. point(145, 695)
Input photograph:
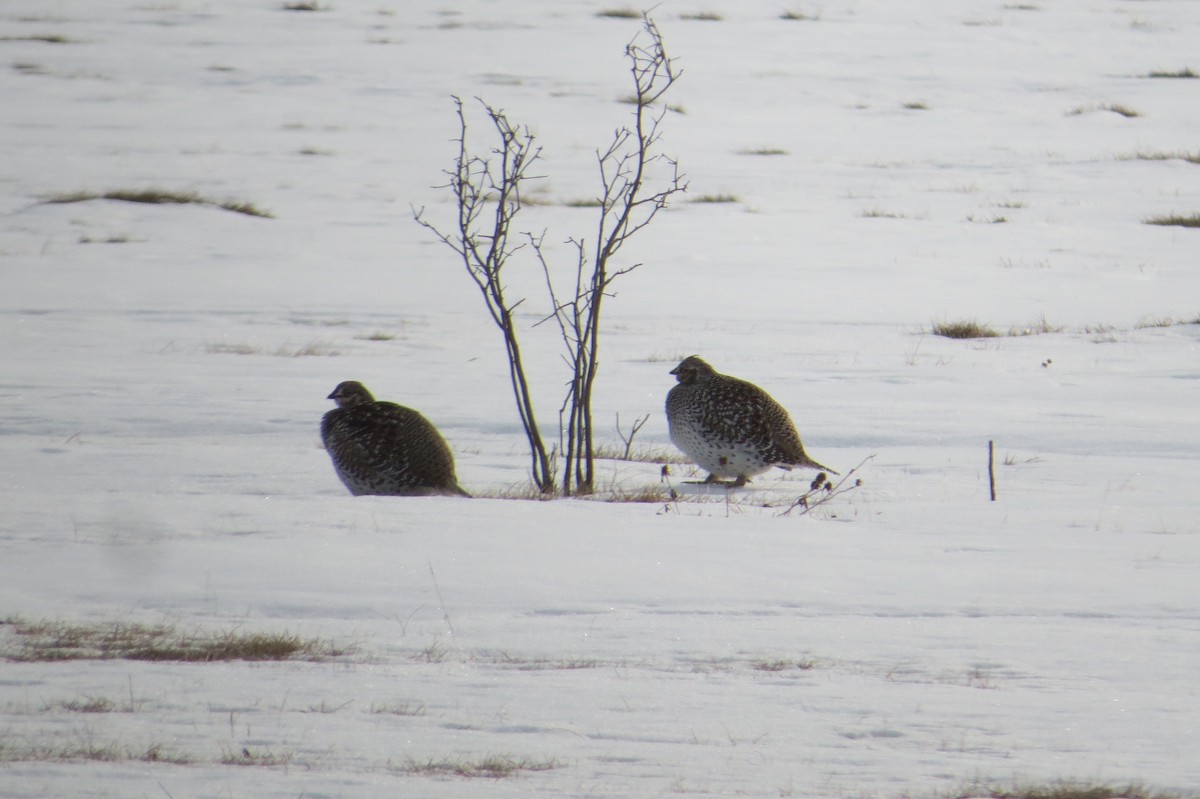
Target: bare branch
point(478, 183)
point(822, 490)
point(633, 431)
point(627, 206)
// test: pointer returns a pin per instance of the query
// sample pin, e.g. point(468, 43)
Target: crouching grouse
point(385, 449)
point(730, 427)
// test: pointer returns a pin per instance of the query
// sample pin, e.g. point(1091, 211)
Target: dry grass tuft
point(879, 213)
point(638, 454)
point(85, 749)
point(248, 757)
point(1070, 789)
point(1165, 321)
point(315, 348)
point(652, 495)
point(963, 329)
point(488, 767)
point(49, 38)
point(783, 664)
point(1161, 155)
point(159, 197)
point(619, 13)
point(1175, 220)
point(1116, 108)
point(399, 709)
point(1039, 327)
point(1186, 72)
point(53, 640)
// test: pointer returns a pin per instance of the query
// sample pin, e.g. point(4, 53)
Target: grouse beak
point(675, 371)
point(333, 395)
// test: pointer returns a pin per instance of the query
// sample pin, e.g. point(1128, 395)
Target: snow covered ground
point(893, 165)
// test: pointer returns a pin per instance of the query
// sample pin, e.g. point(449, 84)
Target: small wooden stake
point(992, 468)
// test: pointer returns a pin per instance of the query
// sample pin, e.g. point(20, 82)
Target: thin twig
point(821, 490)
point(442, 604)
point(633, 431)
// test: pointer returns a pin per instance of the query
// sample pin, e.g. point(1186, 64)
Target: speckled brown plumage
point(385, 449)
point(729, 427)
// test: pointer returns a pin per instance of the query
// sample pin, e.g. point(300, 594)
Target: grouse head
point(351, 393)
point(692, 370)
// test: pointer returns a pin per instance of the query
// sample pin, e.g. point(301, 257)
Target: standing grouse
point(731, 427)
point(385, 449)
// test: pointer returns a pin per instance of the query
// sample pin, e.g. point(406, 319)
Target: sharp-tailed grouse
point(385, 449)
point(730, 427)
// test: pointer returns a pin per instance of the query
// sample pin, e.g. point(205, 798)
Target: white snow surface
point(164, 369)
